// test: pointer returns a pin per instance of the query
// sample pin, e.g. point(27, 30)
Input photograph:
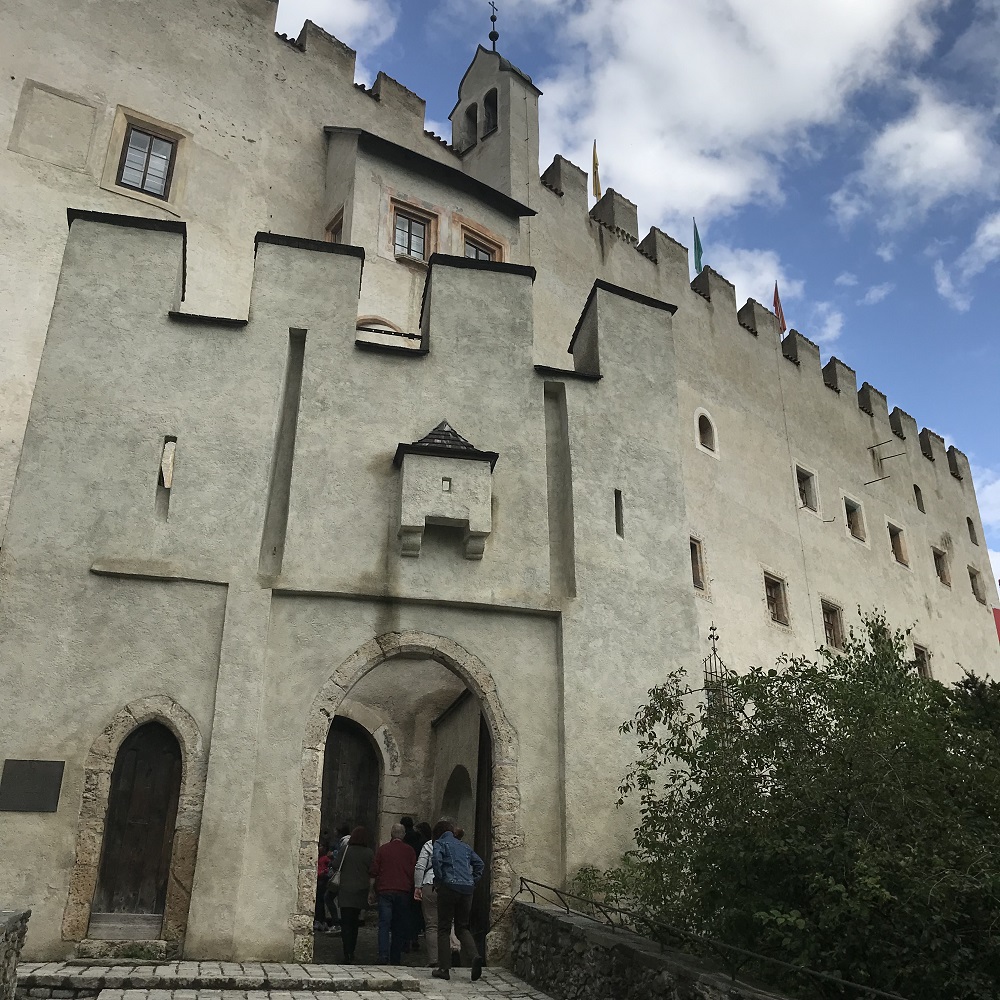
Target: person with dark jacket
point(356, 859)
point(457, 869)
point(392, 887)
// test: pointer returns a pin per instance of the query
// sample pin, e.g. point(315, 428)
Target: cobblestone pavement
point(269, 981)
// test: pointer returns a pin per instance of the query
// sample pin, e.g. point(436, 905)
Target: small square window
point(806, 483)
point(411, 236)
point(855, 519)
point(777, 600)
point(147, 162)
point(898, 544)
point(697, 565)
point(922, 661)
point(833, 625)
point(445, 484)
point(976, 579)
point(941, 566)
point(477, 250)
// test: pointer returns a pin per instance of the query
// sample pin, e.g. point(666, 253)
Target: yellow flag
point(597, 174)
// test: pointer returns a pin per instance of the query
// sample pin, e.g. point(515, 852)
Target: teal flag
point(697, 249)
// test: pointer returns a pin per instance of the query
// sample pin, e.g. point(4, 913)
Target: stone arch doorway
point(98, 774)
point(352, 780)
point(471, 690)
point(131, 892)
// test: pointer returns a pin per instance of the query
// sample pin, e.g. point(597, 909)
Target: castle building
point(367, 473)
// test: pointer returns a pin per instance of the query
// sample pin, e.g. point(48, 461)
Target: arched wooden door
point(351, 778)
point(138, 836)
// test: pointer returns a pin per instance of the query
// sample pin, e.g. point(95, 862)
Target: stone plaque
point(31, 785)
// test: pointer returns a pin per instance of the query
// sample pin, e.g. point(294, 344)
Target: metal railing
point(618, 918)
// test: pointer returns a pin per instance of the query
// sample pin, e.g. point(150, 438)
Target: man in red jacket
point(392, 886)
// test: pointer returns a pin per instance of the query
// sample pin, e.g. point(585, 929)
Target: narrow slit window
point(941, 566)
point(706, 433)
point(777, 598)
point(165, 477)
point(806, 483)
point(697, 565)
point(898, 544)
point(855, 519)
point(335, 230)
point(445, 484)
point(918, 496)
point(976, 580)
point(973, 537)
point(833, 625)
point(922, 661)
point(619, 514)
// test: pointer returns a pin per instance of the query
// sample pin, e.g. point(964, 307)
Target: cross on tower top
point(494, 34)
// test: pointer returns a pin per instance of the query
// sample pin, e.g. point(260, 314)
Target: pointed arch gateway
point(154, 735)
point(505, 796)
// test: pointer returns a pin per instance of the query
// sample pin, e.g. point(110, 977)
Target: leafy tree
point(840, 815)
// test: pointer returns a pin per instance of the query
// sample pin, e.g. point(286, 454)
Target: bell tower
point(494, 125)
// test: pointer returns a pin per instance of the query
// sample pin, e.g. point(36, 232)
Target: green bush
point(840, 815)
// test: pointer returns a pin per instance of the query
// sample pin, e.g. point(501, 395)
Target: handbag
point(334, 882)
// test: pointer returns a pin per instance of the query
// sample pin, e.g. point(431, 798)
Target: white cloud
point(694, 106)
point(987, 483)
point(957, 299)
point(846, 280)
point(877, 293)
point(939, 150)
point(953, 284)
point(827, 324)
point(995, 563)
point(754, 273)
point(887, 252)
point(362, 24)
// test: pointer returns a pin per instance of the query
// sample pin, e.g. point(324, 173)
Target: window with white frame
point(776, 595)
point(855, 519)
point(833, 624)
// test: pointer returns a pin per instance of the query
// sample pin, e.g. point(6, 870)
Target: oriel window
point(147, 162)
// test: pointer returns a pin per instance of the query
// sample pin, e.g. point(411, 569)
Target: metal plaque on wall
point(31, 785)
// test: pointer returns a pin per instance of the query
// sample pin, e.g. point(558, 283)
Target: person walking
point(391, 887)
point(457, 869)
point(426, 895)
point(355, 862)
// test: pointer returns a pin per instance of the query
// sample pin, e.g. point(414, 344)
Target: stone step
point(74, 981)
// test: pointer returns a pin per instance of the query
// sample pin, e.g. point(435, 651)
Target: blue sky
point(848, 148)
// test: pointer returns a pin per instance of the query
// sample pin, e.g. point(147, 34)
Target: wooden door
point(351, 776)
point(139, 829)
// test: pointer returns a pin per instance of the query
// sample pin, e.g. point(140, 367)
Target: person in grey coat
point(352, 897)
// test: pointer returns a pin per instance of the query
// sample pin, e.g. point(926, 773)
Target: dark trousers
point(393, 925)
point(455, 906)
point(320, 914)
point(349, 919)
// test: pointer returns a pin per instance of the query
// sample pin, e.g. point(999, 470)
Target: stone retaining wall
point(13, 927)
point(573, 958)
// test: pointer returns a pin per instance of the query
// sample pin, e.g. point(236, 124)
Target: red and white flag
point(778, 311)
